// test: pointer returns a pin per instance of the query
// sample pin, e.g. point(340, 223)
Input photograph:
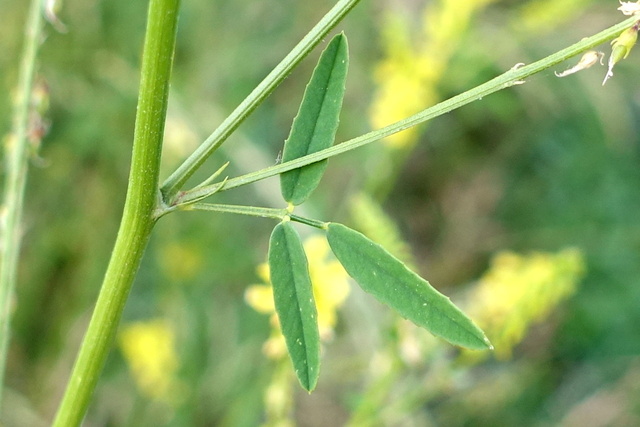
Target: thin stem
point(178, 178)
point(17, 158)
point(278, 214)
point(241, 210)
point(512, 77)
point(137, 221)
point(308, 221)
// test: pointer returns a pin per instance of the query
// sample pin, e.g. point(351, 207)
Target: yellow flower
point(407, 77)
point(541, 16)
point(149, 349)
point(330, 290)
point(179, 138)
point(260, 297)
point(518, 291)
point(180, 261)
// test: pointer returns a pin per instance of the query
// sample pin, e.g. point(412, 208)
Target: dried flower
point(629, 8)
point(589, 59)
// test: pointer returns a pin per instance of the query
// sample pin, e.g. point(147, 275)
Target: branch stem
point(510, 78)
point(278, 214)
point(273, 213)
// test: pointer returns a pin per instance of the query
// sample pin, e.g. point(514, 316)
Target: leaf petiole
point(279, 214)
point(273, 213)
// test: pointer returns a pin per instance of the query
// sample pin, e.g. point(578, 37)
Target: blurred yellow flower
point(279, 398)
point(518, 291)
point(408, 75)
point(330, 290)
point(180, 261)
point(179, 137)
point(540, 16)
point(149, 349)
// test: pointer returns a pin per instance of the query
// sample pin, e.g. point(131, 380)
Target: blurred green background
point(542, 166)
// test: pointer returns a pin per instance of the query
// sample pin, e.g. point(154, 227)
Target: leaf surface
point(314, 128)
point(391, 282)
point(293, 298)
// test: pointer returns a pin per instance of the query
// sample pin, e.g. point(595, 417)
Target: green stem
point(178, 178)
point(278, 214)
point(241, 210)
point(308, 221)
point(17, 158)
point(503, 81)
point(138, 220)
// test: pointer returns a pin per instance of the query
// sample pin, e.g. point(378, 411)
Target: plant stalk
point(510, 78)
point(273, 213)
point(17, 159)
point(138, 220)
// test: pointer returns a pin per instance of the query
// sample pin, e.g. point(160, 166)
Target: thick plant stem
point(17, 158)
point(138, 219)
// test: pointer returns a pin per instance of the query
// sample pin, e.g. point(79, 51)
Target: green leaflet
point(314, 128)
point(293, 297)
point(390, 281)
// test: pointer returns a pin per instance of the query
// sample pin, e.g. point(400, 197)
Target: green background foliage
point(541, 166)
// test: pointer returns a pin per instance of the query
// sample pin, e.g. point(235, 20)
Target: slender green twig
point(510, 78)
point(138, 219)
point(241, 210)
point(17, 157)
point(177, 179)
point(308, 221)
point(273, 213)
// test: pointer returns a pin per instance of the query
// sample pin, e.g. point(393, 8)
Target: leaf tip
point(488, 344)
point(308, 381)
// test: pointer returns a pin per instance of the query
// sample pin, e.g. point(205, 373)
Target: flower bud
point(621, 48)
